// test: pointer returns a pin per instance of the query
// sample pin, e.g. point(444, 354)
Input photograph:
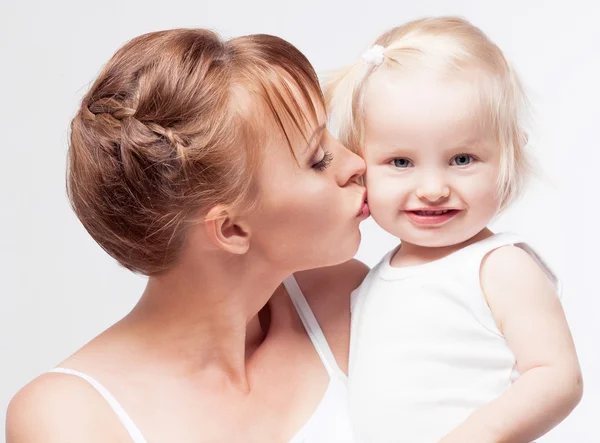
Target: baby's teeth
point(433, 212)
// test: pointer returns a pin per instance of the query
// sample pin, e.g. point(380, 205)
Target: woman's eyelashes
point(325, 161)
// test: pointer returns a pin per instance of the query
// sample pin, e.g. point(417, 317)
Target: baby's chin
point(432, 243)
point(434, 238)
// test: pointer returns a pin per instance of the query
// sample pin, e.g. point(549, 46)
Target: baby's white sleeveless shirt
point(425, 350)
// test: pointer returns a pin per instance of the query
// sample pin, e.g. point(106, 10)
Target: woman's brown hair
point(174, 124)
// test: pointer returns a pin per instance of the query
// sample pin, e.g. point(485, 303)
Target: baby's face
point(431, 168)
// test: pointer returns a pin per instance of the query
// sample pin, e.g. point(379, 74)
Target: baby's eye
point(402, 163)
point(462, 160)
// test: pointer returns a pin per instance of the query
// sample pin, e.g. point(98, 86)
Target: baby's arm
point(529, 314)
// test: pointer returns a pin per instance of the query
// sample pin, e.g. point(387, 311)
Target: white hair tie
point(374, 55)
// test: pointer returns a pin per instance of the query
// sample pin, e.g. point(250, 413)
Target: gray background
point(58, 289)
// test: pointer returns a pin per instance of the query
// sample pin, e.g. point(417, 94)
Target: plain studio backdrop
point(59, 289)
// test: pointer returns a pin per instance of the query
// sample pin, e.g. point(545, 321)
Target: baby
point(458, 335)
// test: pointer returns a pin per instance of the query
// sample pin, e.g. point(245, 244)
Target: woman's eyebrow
point(316, 134)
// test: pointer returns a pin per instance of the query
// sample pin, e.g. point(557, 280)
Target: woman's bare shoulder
point(334, 283)
point(58, 407)
point(327, 291)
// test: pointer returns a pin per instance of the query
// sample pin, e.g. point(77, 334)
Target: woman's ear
point(226, 231)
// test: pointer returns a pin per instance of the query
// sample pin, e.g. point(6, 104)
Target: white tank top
point(330, 423)
point(425, 350)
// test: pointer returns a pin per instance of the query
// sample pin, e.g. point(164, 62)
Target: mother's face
point(310, 203)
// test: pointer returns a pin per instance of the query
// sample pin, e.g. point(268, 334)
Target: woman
point(205, 164)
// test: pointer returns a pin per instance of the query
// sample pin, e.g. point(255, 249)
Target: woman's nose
point(351, 167)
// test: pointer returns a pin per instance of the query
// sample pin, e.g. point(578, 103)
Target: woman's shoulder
point(57, 407)
point(327, 291)
point(332, 285)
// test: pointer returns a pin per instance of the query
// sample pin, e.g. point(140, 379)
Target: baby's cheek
point(376, 189)
point(384, 202)
point(482, 195)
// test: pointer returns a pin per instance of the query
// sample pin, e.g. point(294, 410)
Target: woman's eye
point(462, 160)
point(324, 163)
point(402, 163)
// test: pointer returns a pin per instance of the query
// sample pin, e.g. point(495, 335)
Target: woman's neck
point(206, 318)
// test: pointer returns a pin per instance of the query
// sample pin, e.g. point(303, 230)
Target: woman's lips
point(364, 210)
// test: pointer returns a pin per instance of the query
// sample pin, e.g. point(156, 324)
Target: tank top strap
point(130, 426)
point(483, 247)
point(499, 240)
point(466, 269)
point(312, 326)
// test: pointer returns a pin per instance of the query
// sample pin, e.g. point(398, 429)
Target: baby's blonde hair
point(445, 45)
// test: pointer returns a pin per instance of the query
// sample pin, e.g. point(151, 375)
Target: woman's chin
point(347, 251)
